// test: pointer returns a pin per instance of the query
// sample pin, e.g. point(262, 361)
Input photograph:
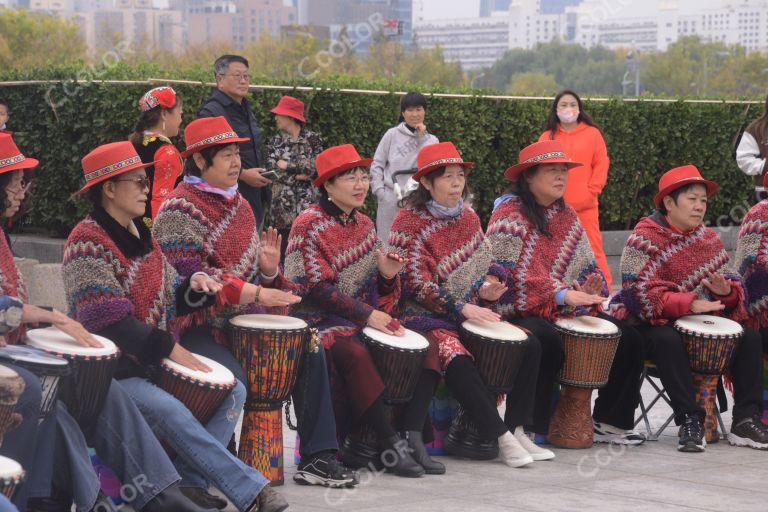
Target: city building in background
point(236, 22)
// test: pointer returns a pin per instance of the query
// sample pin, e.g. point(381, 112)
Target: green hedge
point(60, 123)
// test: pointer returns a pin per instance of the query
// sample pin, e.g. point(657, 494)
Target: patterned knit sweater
point(751, 261)
point(446, 263)
point(658, 260)
point(539, 265)
point(11, 284)
point(204, 232)
point(332, 259)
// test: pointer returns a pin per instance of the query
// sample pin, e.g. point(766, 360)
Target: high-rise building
point(236, 22)
point(557, 6)
point(489, 6)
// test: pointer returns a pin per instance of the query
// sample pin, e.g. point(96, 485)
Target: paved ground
point(652, 477)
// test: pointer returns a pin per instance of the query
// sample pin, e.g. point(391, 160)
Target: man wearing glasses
point(229, 100)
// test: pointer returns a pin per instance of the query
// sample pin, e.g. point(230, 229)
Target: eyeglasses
point(143, 181)
point(352, 180)
point(22, 188)
point(238, 77)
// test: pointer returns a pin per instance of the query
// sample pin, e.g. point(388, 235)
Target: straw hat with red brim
point(11, 158)
point(544, 152)
point(680, 177)
point(438, 155)
point(337, 159)
point(108, 161)
point(290, 107)
point(207, 132)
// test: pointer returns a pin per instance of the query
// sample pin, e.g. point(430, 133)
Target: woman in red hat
point(450, 272)
point(119, 284)
point(553, 274)
point(206, 225)
point(160, 120)
point(291, 156)
point(674, 265)
point(345, 295)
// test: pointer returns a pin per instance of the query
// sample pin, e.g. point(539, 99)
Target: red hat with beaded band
point(158, 97)
point(679, 177)
point(290, 107)
point(544, 152)
point(108, 161)
point(11, 158)
point(207, 132)
point(438, 155)
point(337, 159)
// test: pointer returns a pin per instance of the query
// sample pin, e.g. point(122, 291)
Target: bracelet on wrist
point(269, 278)
point(258, 292)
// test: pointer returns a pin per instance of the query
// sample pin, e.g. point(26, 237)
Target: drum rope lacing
point(312, 348)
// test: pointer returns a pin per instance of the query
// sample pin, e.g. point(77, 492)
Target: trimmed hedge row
point(60, 123)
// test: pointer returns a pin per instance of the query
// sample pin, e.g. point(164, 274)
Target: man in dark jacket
point(229, 100)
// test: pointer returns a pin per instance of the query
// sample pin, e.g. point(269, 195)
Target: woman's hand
point(205, 284)
point(272, 297)
point(492, 289)
point(385, 323)
point(592, 286)
point(717, 284)
point(577, 298)
point(74, 329)
point(390, 264)
point(706, 306)
point(269, 251)
point(472, 312)
point(186, 358)
point(421, 129)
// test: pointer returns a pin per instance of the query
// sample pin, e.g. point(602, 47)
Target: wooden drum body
point(11, 388)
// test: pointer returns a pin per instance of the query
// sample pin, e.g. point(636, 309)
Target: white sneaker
point(512, 453)
point(536, 451)
point(605, 433)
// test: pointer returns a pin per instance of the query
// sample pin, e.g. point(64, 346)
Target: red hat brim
point(288, 113)
point(513, 173)
point(108, 176)
point(711, 188)
point(365, 162)
point(426, 170)
point(235, 140)
point(27, 163)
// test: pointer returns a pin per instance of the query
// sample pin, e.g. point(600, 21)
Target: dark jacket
point(243, 121)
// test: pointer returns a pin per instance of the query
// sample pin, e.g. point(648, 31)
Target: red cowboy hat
point(11, 158)
point(438, 155)
point(679, 177)
point(108, 161)
point(159, 96)
point(209, 131)
point(291, 107)
point(544, 152)
point(337, 159)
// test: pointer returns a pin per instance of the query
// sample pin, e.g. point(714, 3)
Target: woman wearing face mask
point(160, 120)
point(583, 141)
point(397, 152)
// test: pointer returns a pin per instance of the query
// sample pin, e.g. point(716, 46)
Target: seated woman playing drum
point(336, 258)
point(553, 274)
point(674, 265)
point(448, 274)
point(32, 444)
point(205, 225)
point(119, 285)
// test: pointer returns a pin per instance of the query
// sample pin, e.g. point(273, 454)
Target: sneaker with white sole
point(749, 432)
point(605, 433)
point(691, 434)
point(512, 452)
point(325, 470)
point(537, 452)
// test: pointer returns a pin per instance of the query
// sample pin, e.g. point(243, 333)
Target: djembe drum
point(711, 342)
point(11, 475)
point(398, 360)
point(86, 387)
point(590, 345)
point(498, 349)
point(48, 368)
point(270, 348)
point(11, 388)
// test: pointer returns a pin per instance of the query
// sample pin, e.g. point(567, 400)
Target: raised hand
point(472, 312)
point(492, 290)
point(269, 251)
point(706, 306)
point(717, 284)
point(592, 286)
point(390, 264)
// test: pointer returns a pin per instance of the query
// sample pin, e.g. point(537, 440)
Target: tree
point(31, 40)
point(533, 83)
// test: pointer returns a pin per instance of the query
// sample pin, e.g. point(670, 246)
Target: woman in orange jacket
point(583, 141)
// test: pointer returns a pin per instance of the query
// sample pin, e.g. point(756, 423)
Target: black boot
point(420, 455)
point(58, 501)
point(173, 499)
point(396, 457)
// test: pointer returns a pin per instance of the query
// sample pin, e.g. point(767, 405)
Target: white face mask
point(568, 116)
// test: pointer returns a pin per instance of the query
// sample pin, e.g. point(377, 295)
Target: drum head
point(30, 355)
point(502, 331)
point(588, 325)
point(411, 340)
point(53, 340)
point(271, 322)
point(9, 468)
point(220, 375)
point(708, 325)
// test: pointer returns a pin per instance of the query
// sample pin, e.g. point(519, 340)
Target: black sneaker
point(692, 434)
point(749, 432)
point(325, 470)
point(203, 498)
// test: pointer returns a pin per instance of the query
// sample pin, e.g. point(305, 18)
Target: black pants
point(465, 383)
point(665, 347)
point(616, 401)
point(283, 243)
